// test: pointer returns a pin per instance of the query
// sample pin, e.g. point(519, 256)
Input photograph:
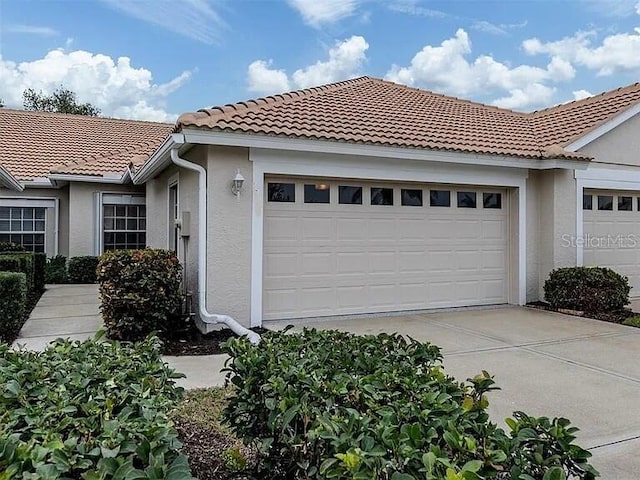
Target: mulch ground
point(613, 317)
point(192, 342)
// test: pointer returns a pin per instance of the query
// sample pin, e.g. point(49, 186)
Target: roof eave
point(9, 181)
point(105, 178)
point(247, 140)
point(159, 160)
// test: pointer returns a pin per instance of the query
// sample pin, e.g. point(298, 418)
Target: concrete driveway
point(546, 364)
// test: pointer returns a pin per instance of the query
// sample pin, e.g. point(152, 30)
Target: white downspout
point(205, 316)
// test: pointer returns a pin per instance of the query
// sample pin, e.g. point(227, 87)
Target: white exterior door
point(612, 233)
point(350, 247)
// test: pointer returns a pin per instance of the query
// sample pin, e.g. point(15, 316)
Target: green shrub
point(23, 263)
point(11, 247)
point(13, 299)
point(93, 410)
point(632, 321)
point(56, 270)
point(139, 292)
point(327, 404)
point(82, 269)
point(39, 271)
point(589, 289)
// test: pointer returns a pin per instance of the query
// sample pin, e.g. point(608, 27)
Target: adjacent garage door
point(348, 247)
point(612, 233)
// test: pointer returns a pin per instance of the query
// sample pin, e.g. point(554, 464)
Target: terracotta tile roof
point(563, 124)
point(33, 144)
point(373, 111)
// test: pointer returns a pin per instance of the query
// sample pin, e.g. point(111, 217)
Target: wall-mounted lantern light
point(236, 184)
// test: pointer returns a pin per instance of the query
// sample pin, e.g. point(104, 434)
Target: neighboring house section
point(65, 186)
point(366, 197)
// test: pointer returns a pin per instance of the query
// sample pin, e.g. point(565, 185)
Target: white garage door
point(612, 233)
point(347, 247)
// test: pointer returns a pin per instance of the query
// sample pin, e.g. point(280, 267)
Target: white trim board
point(604, 128)
point(268, 162)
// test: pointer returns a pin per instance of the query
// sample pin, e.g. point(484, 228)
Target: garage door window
point(492, 200)
point(412, 198)
point(587, 202)
point(24, 226)
point(382, 196)
point(282, 192)
point(350, 195)
point(317, 193)
point(440, 198)
point(466, 199)
point(605, 202)
point(625, 204)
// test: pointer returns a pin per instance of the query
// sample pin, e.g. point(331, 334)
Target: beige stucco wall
point(158, 214)
point(82, 221)
point(62, 194)
point(229, 233)
point(551, 216)
point(619, 146)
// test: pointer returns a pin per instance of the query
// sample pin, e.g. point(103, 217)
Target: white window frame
point(112, 198)
point(41, 202)
point(174, 181)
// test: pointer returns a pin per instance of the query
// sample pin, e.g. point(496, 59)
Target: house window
point(587, 202)
point(440, 198)
point(25, 226)
point(466, 199)
point(625, 204)
point(174, 215)
point(492, 200)
point(350, 195)
point(412, 198)
point(282, 192)
point(317, 193)
point(605, 202)
point(382, 196)
point(124, 226)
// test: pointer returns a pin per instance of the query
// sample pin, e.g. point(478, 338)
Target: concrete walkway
point(68, 311)
point(73, 311)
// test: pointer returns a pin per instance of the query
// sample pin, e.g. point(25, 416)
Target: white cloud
point(345, 60)
point(613, 8)
point(195, 19)
point(411, 7)
point(114, 86)
point(318, 12)
point(616, 53)
point(31, 30)
point(638, 8)
point(264, 79)
point(580, 94)
point(447, 68)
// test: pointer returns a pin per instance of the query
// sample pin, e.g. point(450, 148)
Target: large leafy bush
point(13, 299)
point(333, 405)
point(140, 292)
point(56, 269)
point(82, 269)
point(92, 410)
point(589, 289)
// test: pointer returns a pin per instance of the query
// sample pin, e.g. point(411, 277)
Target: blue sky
point(153, 59)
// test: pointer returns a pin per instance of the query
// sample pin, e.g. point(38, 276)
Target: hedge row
point(76, 270)
point(328, 404)
point(93, 410)
point(13, 300)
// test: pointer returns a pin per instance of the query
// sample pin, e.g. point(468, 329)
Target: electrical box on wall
point(185, 225)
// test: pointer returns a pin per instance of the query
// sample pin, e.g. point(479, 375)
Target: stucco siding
point(533, 235)
point(82, 216)
point(62, 194)
point(229, 234)
point(619, 146)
